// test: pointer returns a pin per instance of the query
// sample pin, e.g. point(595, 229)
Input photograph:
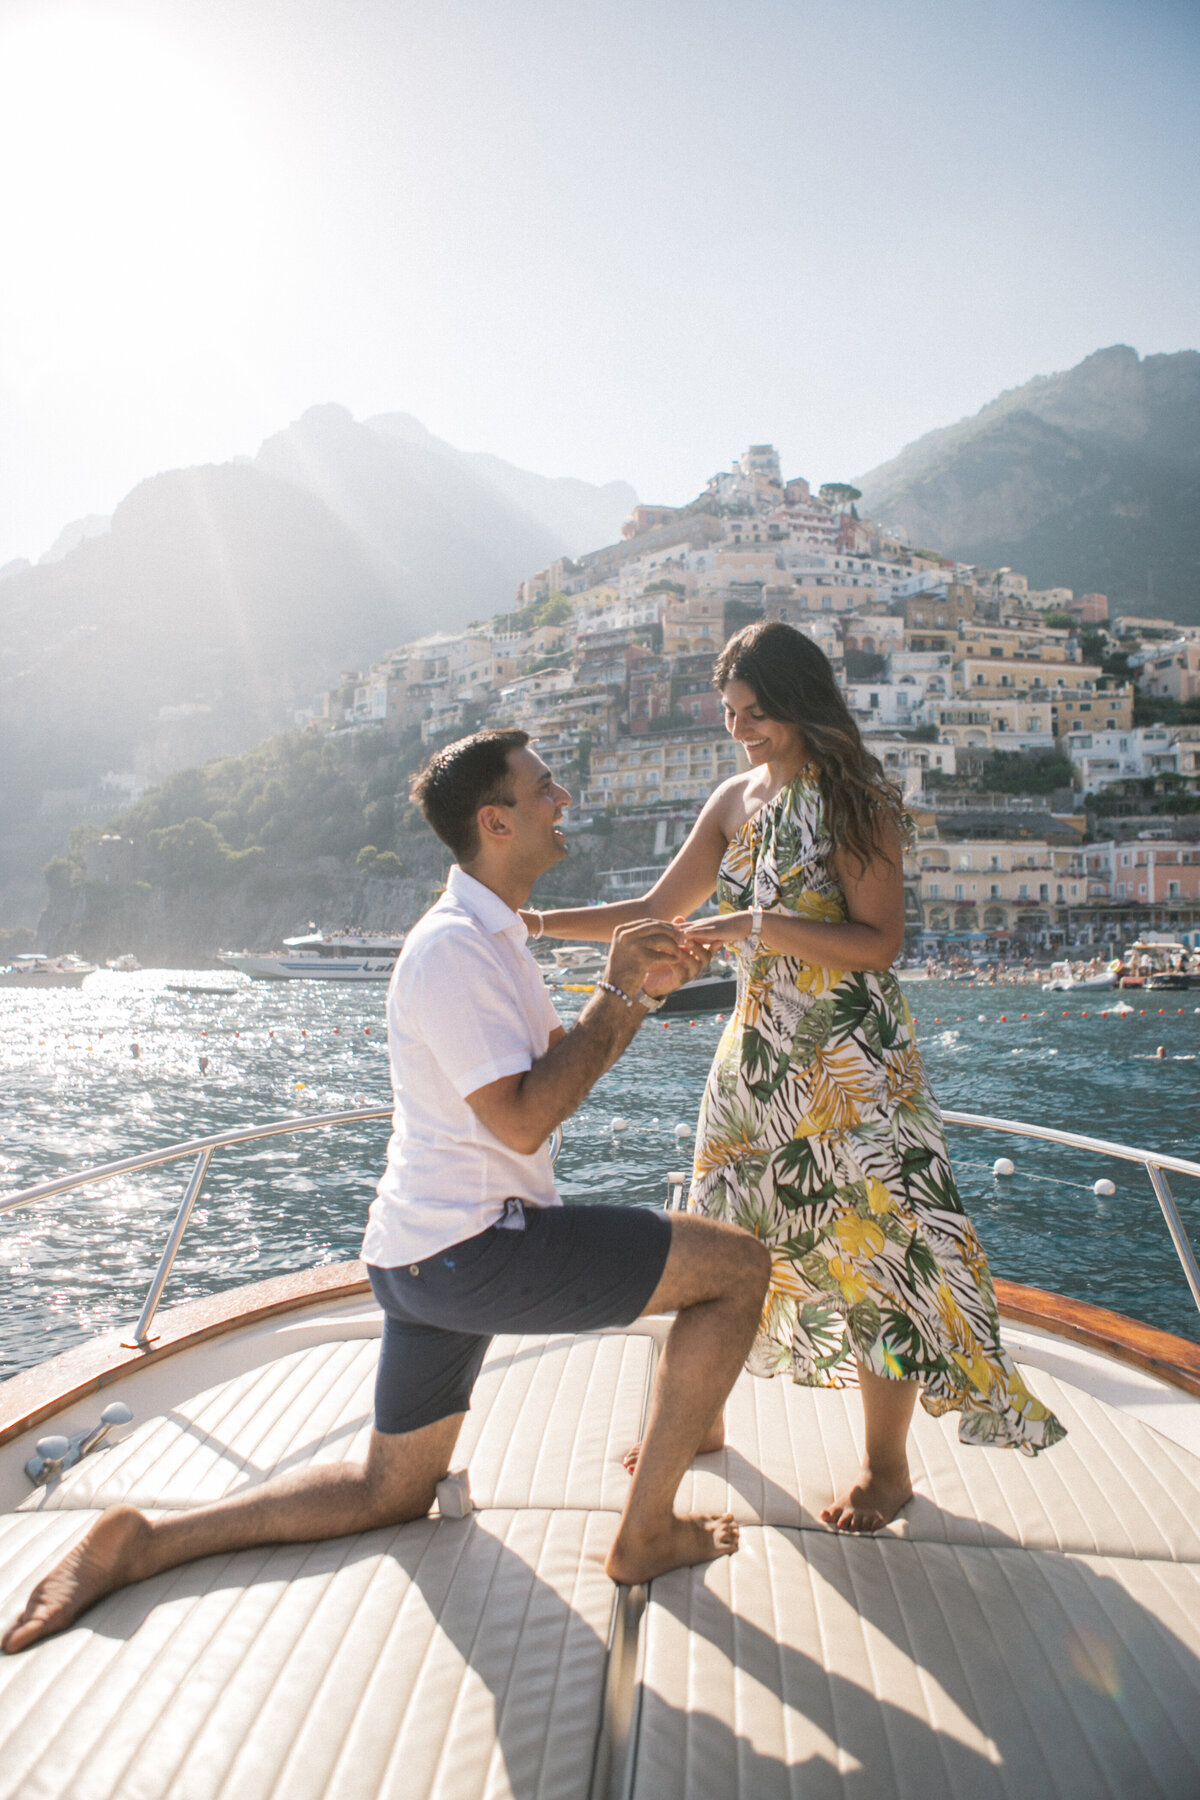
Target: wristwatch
point(649, 1002)
point(755, 933)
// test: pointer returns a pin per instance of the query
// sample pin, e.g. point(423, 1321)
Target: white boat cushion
point(1113, 1487)
point(551, 1416)
point(320, 1672)
point(916, 1671)
point(315, 1406)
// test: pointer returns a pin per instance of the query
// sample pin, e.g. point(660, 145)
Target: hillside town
point(951, 671)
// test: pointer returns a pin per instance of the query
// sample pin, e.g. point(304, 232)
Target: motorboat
point(1066, 977)
point(572, 967)
point(34, 970)
point(322, 956)
point(1025, 1627)
point(123, 965)
point(714, 991)
point(1158, 963)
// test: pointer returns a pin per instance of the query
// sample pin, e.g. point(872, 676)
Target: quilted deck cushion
point(319, 1671)
point(820, 1666)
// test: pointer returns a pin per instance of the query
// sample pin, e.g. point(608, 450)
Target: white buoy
point(1103, 1187)
point(682, 1131)
point(1002, 1166)
point(983, 1018)
point(619, 1125)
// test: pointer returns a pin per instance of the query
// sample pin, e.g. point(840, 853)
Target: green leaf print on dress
point(818, 1132)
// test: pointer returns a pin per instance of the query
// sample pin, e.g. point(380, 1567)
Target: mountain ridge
point(218, 599)
point(1088, 479)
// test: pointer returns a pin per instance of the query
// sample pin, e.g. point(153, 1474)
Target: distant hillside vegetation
point(1088, 479)
point(298, 796)
point(223, 597)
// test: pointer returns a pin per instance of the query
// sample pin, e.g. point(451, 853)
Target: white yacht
point(1026, 1627)
point(33, 970)
point(322, 956)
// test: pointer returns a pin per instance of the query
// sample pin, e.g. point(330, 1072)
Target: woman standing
point(818, 1131)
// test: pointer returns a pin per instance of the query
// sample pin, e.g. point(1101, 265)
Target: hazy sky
point(620, 238)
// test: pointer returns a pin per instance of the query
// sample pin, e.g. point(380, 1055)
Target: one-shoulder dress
point(818, 1133)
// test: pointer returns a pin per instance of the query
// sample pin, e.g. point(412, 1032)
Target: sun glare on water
point(136, 200)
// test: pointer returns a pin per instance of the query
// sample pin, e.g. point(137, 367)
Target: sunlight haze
point(610, 242)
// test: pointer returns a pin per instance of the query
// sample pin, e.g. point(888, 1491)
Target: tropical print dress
point(818, 1133)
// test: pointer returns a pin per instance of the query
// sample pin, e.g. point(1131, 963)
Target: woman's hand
point(710, 934)
point(653, 955)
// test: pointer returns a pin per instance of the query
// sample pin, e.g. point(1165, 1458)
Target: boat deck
point(1029, 1627)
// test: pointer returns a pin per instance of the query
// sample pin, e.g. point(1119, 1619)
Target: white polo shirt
point(466, 1006)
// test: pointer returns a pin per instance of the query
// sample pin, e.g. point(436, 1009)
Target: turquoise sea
point(73, 1093)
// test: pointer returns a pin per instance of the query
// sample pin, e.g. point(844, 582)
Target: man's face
point(538, 806)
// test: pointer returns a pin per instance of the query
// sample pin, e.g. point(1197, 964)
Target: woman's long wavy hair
point(793, 681)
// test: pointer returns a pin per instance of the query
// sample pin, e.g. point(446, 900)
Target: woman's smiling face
point(765, 740)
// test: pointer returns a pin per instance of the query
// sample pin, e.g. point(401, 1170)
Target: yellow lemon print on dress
point(852, 1284)
point(878, 1197)
point(860, 1237)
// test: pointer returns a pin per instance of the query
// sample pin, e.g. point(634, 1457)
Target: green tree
point(58, 872)
point(194, 851)
point(738, 613)
point(865, 665)
point(839, 494)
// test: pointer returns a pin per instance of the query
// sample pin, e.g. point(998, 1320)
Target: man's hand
point(652, 954)
point(712, 933)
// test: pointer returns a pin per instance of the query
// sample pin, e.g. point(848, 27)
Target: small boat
point(714, 991)
point(36, 971)
point(1025, 1627)
point(322, 956)
point(1064, 978)
point(185, 987)
point(573, 967)
point(123, 965)
point(1159, 964)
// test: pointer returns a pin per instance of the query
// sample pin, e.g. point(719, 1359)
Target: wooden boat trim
point(1172, 1359)
point(37, 1394)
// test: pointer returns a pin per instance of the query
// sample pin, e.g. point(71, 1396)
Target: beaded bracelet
point(646, 1001)
point(619, 992)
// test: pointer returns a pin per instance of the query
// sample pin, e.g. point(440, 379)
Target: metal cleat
point(55, 1455)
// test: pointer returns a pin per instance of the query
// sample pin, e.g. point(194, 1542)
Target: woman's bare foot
point(114, 1553)
point(872, 1502)
point(713, 1440)
point(639, 1556)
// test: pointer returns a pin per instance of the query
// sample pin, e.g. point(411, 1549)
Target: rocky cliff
point(183, 926)
point(1089, 479)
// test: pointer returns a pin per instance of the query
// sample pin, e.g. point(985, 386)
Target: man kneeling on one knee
point(467, 1235)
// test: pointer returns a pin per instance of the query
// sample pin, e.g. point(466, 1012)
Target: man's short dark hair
point(458, 780)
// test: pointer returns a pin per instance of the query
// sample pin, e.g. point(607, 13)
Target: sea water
point(130, 1063)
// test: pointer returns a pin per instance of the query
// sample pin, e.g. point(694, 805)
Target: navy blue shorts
point(572, 1268)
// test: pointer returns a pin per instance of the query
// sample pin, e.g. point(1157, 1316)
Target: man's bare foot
point(713, 1440)
point(871, 1503)
point(640, 1556)
point(113, 1553)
